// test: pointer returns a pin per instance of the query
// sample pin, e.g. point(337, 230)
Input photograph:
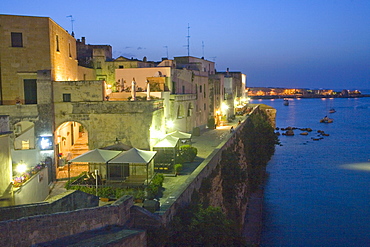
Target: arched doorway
point(71, 139)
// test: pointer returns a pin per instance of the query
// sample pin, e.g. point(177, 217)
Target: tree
point(206, 227)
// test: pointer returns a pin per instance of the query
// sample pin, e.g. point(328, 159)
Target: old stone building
point(65, 97)
point(50, 99)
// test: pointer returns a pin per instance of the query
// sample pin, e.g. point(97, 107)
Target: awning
point(134, 155)
point(167, 142)
point(96, 156)
point(179, 134)
point(119, 146)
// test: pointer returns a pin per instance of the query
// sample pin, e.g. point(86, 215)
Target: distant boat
point(332, 110)
point(326, 120)
point(286, 102)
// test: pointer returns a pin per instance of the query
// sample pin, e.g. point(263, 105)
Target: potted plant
point(178, 168)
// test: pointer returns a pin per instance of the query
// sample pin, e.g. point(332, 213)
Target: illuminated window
point(26, 144)
point(17, 40)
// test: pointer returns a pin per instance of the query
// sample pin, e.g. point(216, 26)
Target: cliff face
point(240, 169)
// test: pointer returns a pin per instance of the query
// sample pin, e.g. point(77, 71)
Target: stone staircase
point(80, 146)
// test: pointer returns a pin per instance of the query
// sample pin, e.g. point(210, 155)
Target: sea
point(317, 190)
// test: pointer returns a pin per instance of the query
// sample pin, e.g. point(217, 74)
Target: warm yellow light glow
point(364, 166)
point(156, 134)
point(21, 168)
point(170, 124)
point(224, 107)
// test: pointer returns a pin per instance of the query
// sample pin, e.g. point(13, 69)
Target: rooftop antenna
point(203, 49)
point(188, 40)
point(166, 50)
point(72, 20)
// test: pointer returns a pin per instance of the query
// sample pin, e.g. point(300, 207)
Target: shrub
point(178, 168)
point(187, 153)
point(154, 187)
point(211, 123)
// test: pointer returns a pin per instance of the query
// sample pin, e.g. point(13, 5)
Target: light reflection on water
point(365, 166)
point(317, 192)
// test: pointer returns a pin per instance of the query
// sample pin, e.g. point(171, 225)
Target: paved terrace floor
point(208, 140)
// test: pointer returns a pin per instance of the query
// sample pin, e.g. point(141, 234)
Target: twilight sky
point(286, 43)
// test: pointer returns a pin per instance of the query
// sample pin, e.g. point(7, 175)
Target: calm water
point(318, 192)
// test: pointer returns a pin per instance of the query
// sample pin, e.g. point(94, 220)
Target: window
point(205, 106)
point(183, 89)
point(57, 42)
point(66, 97)
point(120, 66)
point(69, 50)
point(30, 91)
point(200, 88)
point(204, 91)
point(98, 65)
point(17, 40)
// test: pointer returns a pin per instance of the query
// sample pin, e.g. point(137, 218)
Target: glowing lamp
point(170, 124)
point(21, 167)
point(46, 142)
point(224, 107)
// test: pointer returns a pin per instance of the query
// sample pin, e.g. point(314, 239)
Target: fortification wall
point(44, 228)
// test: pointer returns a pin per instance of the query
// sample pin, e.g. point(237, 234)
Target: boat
point(326, 120)
point(332, 110)
point(286, 102)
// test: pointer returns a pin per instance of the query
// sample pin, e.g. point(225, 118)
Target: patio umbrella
point(96, 156)
point(119, 146)
point(167, 142)
point(134, 155)
point(137, 156)
point(179, 134)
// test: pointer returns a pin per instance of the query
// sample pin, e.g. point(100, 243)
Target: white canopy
point(179, 134)
point(167, 142)
point(134, 155)
point(96, 156)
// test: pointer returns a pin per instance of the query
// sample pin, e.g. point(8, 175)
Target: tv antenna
point(188, 46)
point(203, 49)
point(72, 20)
point(166, 50)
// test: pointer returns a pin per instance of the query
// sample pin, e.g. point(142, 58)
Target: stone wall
point(43, 228)
point(5, 163)
point(67, 201)
point(210, 169)
point(80, 91)
point(129, 121)
point(36, 189)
